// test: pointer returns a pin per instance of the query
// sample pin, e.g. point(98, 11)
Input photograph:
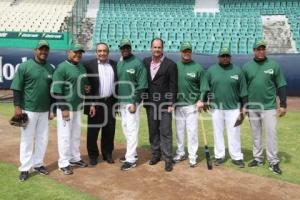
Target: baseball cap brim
point(42, 43)
point(124, 45)
point(258, 44)
point(186, 48)
point(78, 50)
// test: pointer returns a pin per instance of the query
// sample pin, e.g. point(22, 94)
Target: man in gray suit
point(159, 101)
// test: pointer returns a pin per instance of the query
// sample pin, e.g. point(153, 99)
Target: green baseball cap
point(224, 51)
point(42, 43)
point(259, 43)
point(77, 47)
point(125, 42)
point(186, 45)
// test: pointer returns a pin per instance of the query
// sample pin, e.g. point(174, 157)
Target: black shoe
point(66, 170)
point(42, 170)
point(79, 163)
point(154, 161)
point(255, 163)
point(239, 163)
point(219, 161)
point(168, 166)
point(123, 159)
point(109, 159)
point(275, 169)
point(127, 166)
point(93, 162)
point(23, 176)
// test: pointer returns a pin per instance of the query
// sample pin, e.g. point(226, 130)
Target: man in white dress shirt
point(99, 103)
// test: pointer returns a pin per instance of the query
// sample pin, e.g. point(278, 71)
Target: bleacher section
point(237, 24)
point(34, 15)
point(23, 22)
point(289, 8)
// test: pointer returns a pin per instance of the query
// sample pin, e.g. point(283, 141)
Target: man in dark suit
point(99, 103)
point(159, 101)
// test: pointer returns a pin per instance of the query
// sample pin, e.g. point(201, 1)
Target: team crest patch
point(235, 77)
point(130, 71)
point(269, 71)
point(193, 75)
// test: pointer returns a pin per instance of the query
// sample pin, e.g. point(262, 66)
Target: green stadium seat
point(237, 24)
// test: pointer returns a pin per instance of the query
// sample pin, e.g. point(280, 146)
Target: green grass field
point(288, 141)
point(39, 187)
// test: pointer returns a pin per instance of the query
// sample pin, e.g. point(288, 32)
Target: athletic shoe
point(275, 169)
point(127, 166)
point(219, 161)
point(178, 158)
point(79, 163)
point(66, 170)
point(193, 163)
point(123, 159)
point(42, 170)
point(23, 176)
point(239, 163)
point(255, 163)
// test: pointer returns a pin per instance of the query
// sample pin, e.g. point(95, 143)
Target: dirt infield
point(152, 182)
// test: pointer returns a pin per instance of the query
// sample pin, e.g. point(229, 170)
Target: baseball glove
point(19, 121)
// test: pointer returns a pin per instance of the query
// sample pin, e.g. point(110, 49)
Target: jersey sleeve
point(85, 77)
point(205, 85)
point(58, 81)
point(142, 83)
point(244, 70)
point(243, 85)
point(18, 80)
point(279, 77)
point(201, 75)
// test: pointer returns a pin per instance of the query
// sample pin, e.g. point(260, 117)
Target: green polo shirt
point(190, 76)
point(227, 86)
point(263, 78)
point(132, 80)
point(33, 80)
point(69, 81)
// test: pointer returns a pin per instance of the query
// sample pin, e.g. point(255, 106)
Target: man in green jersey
point(264, 79)
point(31, 88)
point(132, 79)
point(190, 75)
point(228, 88)
point(69, 85)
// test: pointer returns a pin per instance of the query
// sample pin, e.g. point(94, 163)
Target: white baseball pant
point(130, 126)
point(187, 120)
point(219, 119)
point(68, 138)
point(34, 140)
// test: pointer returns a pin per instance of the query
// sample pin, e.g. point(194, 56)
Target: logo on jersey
point(49, 76)
point(269, 71)
point(193, 75)
point(130, 71)
point(235, 77)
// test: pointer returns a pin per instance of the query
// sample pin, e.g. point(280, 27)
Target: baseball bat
point(206, 150)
